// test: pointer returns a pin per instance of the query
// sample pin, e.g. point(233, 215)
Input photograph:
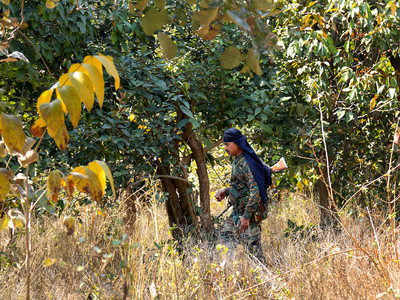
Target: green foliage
point(341, 56)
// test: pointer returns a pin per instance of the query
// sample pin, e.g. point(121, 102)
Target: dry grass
point(104, 259)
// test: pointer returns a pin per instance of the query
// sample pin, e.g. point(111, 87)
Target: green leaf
point(340, 114)
point(186, 111)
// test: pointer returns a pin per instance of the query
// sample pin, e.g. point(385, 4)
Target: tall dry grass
point(105, 259)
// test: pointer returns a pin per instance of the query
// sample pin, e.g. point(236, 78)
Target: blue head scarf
point(261, 172)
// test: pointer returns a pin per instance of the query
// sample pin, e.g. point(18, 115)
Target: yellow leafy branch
point(78, 85)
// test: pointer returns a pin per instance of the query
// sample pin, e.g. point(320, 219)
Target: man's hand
point(244, 224)
point(220, 194)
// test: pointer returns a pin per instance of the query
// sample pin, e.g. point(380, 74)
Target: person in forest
point(247, 194)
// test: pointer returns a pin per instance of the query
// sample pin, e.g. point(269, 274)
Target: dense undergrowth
point(106, 259)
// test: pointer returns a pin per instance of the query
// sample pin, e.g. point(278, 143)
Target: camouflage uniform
point(245, 198)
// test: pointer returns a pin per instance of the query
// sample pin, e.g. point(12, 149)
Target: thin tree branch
point(36, 50)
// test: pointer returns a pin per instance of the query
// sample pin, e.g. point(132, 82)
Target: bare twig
point(39, 198)
point(36, 50)
point(22, 11)
point(392, 208)
point(366, 185)
point(27, 236)
point(172, 177)
point(326, 152)
point(40, 141)
point(373, 228)
point(216, 144)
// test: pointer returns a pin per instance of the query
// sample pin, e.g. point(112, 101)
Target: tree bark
point(328, 213)
point(204, 183)
point(179, 205)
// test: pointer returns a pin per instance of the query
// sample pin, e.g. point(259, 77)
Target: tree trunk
point(202, 173)
point(179, 203)
point(328, 213)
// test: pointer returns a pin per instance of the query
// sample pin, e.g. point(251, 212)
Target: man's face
point(232, 148)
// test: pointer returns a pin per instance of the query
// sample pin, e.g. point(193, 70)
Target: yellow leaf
point(91, 60)
point(86, 181)
point(245, 69)
point(204, 3)
point(11, 130)
point(379, 19)
point(4, 222)
point(154, 20)
point(263, 5)
point(69, 223)
point(393, 8)
point(37, 128)
point(3, 149)
point(6, 2)
point(97, 80)
point(300, 186)
point(45, 97)
point(54, 183)
point(311, 3)
point(204, 17)
point(160, 4)
point(107, 172)
point(5, 176)
point(8, 59)
point(53, 115)
point(372, 103)
point(132, 118)
point(231, 58)
point(168, 47)
point(209, 32)
point(101, 175)
point(82, 83)
point(50, 4)
point(108, 63)
point(141, 5)
point(18, 221)
point(72, 101)
point(49, 262)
